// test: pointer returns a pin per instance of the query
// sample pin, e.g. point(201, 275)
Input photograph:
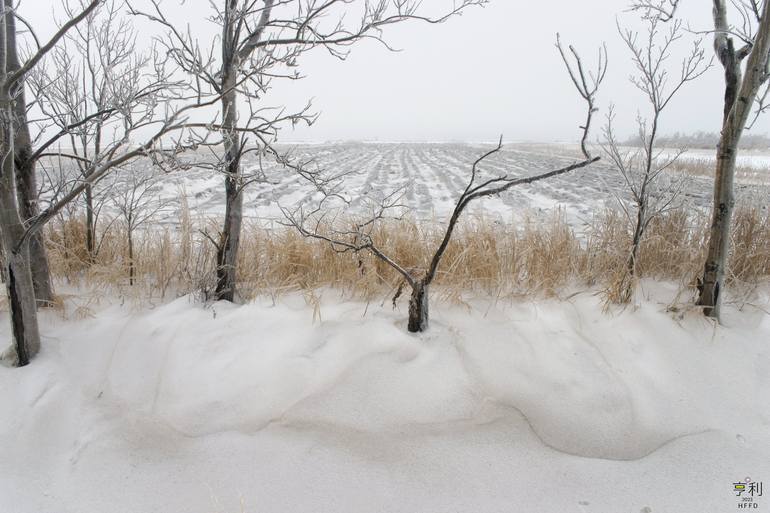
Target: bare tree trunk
point(14, 234)
point(21, 300)
point(712, 282)
point(90, 224)
point(740, 94)
point(227, 252)
point(131, 267)
point(721, 217)
point(642, 202)
point(18, 275)
point(26, 180)
point(418, 308)
point(65, 242)
point(636, 241)
point(26, 188)
point(89, 196)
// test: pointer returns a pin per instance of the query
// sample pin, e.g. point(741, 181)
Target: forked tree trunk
point(26, 179)
point(740, 94)
point(227, 252)
point(719, 234)
point(632, 265)
point(418, 308)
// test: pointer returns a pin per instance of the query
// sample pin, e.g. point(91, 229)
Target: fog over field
point(469, 79)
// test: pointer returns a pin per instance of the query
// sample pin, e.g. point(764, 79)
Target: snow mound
point(548, 378)
point(590, 387)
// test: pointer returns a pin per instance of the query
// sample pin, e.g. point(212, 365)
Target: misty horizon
point(492, 71)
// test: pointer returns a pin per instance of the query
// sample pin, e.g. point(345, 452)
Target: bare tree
point(136, 202)
point(15, 239)
point(26, 176)
point(743, 49)
point(159, 117)
point(261, 40)
point(360, 238)
point(663, 10)
point(256, 49)
point(16, 235)
point(749, 42)
point(55, 178)
point(653, 191)
point(82, 89)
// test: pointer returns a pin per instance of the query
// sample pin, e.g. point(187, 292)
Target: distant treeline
point(706, 140)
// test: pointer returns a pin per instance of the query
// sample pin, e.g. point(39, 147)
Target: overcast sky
point(492, 71)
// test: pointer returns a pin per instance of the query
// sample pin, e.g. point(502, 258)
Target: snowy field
point(433, 174)
point(537, 406)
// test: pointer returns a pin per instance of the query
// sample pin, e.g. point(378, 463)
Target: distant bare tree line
point(703, 141)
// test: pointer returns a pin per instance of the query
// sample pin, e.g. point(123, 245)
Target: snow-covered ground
point(532, 406)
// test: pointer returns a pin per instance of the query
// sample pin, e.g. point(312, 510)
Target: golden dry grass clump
point(705, 167)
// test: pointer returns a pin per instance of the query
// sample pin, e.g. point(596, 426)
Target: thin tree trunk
point(637, 240)
point(418, 308)
point(641, 207)
point(26, 179)
point(227, 252)
point(131, 268)
point(234, 52)
point(89, 195)
point(65, 244)
point(625, 288)
point(90, 225)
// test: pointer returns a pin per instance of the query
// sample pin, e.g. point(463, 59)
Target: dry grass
point(707, 167)
point(534, 257)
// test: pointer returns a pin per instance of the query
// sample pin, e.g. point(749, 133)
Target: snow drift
point(541, 406)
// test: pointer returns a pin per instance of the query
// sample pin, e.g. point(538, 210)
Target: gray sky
point(491, 71)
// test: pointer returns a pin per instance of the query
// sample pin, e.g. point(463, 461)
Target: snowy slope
point(543, 406)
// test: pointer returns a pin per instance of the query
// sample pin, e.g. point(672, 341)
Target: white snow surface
point(513, 407)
